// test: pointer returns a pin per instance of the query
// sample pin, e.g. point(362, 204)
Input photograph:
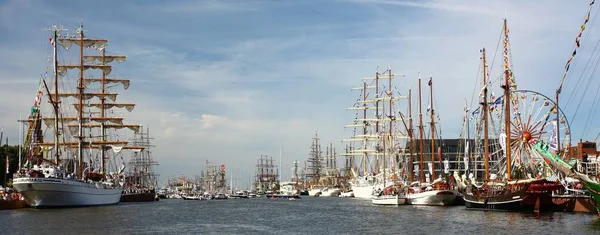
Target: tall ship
point(141, 181)
point(70, 146)
point(431, 189)
point(513, 176)
point(315, 169)
point(267, 175)
point(215, 180)
point(377, 122)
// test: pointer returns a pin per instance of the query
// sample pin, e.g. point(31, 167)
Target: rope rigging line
point(587, 121)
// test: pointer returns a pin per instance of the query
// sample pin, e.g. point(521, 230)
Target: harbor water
point(308, 215)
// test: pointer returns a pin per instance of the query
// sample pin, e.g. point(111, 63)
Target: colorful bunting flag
point(577, 45)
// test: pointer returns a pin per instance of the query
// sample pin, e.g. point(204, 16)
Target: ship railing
point(590, 168)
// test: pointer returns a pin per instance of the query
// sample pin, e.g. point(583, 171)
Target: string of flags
point(577, 44)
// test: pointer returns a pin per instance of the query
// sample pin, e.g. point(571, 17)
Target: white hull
point(313, 192)
point(365, 191)
point(52, 192)
point(388, 200)
point(432, 198)
point(330, 192)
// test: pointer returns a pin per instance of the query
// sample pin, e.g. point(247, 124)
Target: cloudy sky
point(225, 81)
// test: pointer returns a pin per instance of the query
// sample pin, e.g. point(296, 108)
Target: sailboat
point(72, 170)
point(509, 189)
point(391, 195)
point(369, 127)
point(140, 179)
point(437, 191)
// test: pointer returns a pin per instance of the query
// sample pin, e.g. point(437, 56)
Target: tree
point(12, 152)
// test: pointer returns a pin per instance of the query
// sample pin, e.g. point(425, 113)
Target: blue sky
point(229, 80)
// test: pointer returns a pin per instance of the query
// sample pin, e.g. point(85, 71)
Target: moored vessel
point(63, 173)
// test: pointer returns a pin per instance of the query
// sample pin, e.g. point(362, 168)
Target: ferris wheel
point(533, 119)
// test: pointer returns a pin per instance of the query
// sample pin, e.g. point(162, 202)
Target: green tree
point(12, 152)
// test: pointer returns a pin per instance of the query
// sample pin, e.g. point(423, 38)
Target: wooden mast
point(410, 137)
point(55, 102)
point(391, 146)
point(102, 102)
point(432, 129)
point(486, 162)
point(557, 125)
point(421, 175)
point(507, 102)
point(80, 107)
point(376, 118)
point(364, 160)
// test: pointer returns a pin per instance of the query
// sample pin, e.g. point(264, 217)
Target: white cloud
point(231, 99)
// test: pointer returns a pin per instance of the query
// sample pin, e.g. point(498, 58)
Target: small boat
point(270, 196)
point(347, 194)
point(388, 200)
point(389, 197)
point(190, 197)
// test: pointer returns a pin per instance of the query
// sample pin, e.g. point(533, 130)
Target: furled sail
point(49, 121)
point(88, 81)
point(87, 96)
point(74, 127)
point(129, 106)
point(62, 69)
point(98, 59)
point(87, 42)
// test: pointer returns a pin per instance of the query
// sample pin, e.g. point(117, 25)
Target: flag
point(52, 41)
point(429, 83)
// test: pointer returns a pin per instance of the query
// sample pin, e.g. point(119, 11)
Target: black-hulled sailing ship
point(518, 177)
point(141, 181)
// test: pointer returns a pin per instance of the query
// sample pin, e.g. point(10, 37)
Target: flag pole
point(6, 174)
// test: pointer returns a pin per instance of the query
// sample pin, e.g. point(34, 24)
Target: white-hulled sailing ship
point(429, 190)
point(72, 169)
point(375, 123)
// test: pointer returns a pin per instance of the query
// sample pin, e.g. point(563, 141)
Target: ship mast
point(55, 102)
point(507, 101)
point(377, 117)
point(391, 125)
point(485, 118)
point(410, 137)
point(364, 160)
point(80, 107)
point(432, 129)
point(102, 102)
point(421, 175)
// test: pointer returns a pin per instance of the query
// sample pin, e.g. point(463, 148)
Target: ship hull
point(272, 196)
point(389, 200)
point(51, 192)
point(331, 192)
point(502, 202)
point(139, 197)
point(366, 191)
point(432, 198)
point(592, 187)
point(314, 192)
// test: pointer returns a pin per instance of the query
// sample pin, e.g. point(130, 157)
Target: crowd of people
point(10, 195)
